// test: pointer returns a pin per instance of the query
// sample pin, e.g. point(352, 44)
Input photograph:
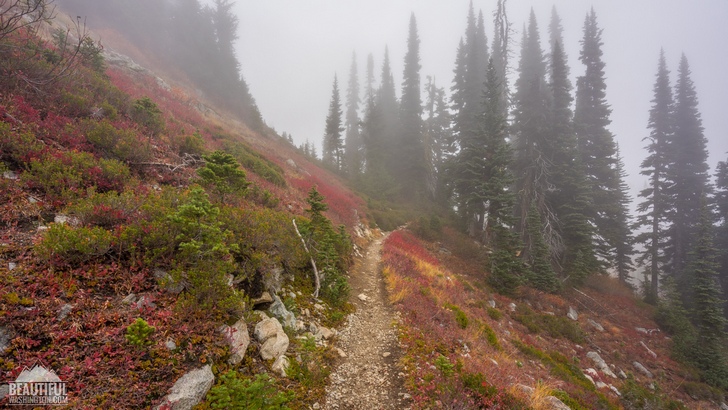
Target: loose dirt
point(368, 377)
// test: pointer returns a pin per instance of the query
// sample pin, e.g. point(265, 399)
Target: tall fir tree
point(708, 302)
point(721, 202)
point(500, 51)
point(624, 247)
point(687, 175)
point(333, 146)
point(412, 167)
point(389, 114)
point(437, 136)
point(653, 209)
point(596, 143)
point(353, 142)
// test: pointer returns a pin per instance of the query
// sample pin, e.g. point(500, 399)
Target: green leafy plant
point(222, 172)
point(146, 113)
point(236, 393)
point(460, 317)
point(74, 246)
point(444, 366)
point(138, 333)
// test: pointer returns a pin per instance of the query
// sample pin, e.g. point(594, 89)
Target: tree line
point(533, 171)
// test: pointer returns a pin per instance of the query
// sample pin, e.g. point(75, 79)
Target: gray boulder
point(278, 309)
point(595, 325)
point(274, 340)
point(280, 366)
point(555, 404)
point(642, 369)
point(601, 364)
point(238, 339)
point(189, 390)
point(572, 314)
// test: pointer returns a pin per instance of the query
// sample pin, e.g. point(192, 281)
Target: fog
point(291, 49)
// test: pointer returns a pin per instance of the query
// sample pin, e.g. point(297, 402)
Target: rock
point(363, 297)
point(166, 282)
point(145, 302)
point(274, 340)
point(280, 366)
point(170, 344)
point(601, 385)
point(324, 333)
point(572, 314)
point(62, 219)
point(595, 325)
point(491, 303)
point(589, 378)
point(494, 362)
point(601, 364)
point(34, 200)
point(129, 299)
point(615, 391)
point(622, 374)
point(264, 298)
point(189, 390)
point(316, 406)
point(723, 406)
point(591, 373)
point(512, 307)
point(6, 337)
point(65, 310)
point(273, 279)
point(526, 389)
point(649, 351)
point(642, 369)
point(386, 354)
point(291, 163)
point(12, 266)
point(642, 330)
point(340, 352)
point(10, 175)
point(238, 339)
point(555, 404)
point(300, 326)
point(278, 309)
point(318, 307)
point(313, 328)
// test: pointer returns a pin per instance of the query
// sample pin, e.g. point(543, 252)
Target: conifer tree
point(596, 143)
point(437, 134)
point(333, 144)
point(708, 302)
point(353, 143)
point(687, 175)
point(652, 211)
point(540, 273)
point(500, 51)
point(388, 106)
point(414, 172)
point(624, 247)
point(721, 200)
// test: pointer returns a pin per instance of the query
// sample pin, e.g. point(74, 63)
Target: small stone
point(316, 406)
point(264, 298)
point(723, 406)
point(386, 354)
point(318, 306)
point(6, 337)
point(363, 297)
point(129, 299)
point(642, 330)
point(622, 374)
point(325, 333)
point(572, 314)
point(601, 385)
point(65, 310)
point(145, 301)
point(10, 175)
point(170, 344)
point(642, 369)
point(280, 366)
point(62, 219)
point(601, 364)
point(491, 303)
point(340, 353)
point(595, 325)
point(33, 200)
point(615, 391)
point(12, 266)
point(512, 307)
point(493, 361)
point(167, 283)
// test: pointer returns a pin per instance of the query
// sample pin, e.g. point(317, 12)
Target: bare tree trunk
point(313, 263)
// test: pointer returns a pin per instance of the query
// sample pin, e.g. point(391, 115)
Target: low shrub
point(112, 142)
point(63, 244)
point(138, 333)
point(554, 326)
point(460, 317)
point(236, 393)
point(494, 313)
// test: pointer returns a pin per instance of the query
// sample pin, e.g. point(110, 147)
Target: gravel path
point(368, 377)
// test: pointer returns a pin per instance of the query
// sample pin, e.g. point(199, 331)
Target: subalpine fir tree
point(687, 175)
point(624, 247)
point(437, 135)
point(721, 201)
point(411, 167)
point(595, 142)
point(708, 303)
point(653, 210)
point(333, 146)
point(540, 274)
point(388, 106)
point(353, 144)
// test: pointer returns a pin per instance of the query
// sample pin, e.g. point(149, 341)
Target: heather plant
point(64, 244)
point(115, 143)
point(138, 333)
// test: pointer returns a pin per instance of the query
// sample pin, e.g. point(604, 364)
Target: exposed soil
point(368, 377)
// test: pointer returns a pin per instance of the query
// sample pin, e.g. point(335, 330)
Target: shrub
point(190, 144)
point(255, 162)
point(494, 313)
point(491, 337)
point(222, 172)
point(235, 393)
point(138, 333)
point(460, 317)
point(107, 210)
point(444, 366)
point(74, 246)
point(146, 113)
point(115, 143)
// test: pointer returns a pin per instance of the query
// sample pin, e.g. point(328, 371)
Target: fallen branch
point(313, 263)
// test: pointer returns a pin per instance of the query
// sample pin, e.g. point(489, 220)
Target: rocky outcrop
point(642, 369)
point(238, 340)
point(274, 341)
point(189, 390)
point(601, 364)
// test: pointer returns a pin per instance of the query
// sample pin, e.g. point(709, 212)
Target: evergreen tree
point(333, 144)
point(721, 200)
point(624, 247)
point(687, 175)
point(353, 143)
point(500, 51)
point(652, 211)
point(437, 135)
point(596, 143)
point(540, 273)
point(708, 302)
point(414, 172)
point(388, 107)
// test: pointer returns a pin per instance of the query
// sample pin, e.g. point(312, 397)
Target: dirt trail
point(368, 377)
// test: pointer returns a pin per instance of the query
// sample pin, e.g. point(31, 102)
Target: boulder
point(280, 366)
point(12, 266)
point(554, 403)
point(167, 283)
point(238, 339)
point(595, 325)
point(723, 406)
point(278, 309)
point(642, 369)
point(512, 307)
point(267, 328)
point(170, 344)
point(189, 390)
point(601, 364)
point(129, 299)
point(491, 303)
point(324, 333)
point(64, 311)
point(264, 298)
point(274, 340)
point(6, 337)
point(572, 314)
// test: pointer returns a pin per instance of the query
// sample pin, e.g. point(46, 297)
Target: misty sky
point(291, 49)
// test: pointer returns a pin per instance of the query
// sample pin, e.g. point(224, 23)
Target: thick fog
point(291, 49)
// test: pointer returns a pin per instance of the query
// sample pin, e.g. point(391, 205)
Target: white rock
point(170, 344)
point(265, 297)
point(601, 385)
point(723, 406)
point(280, 366)
point(512, 307)
point(238, 339)
point(595, 325)
point(189, 390)
point(386, 354)
point(340, 353)
point(12, 266)
point(642, 369)
point(318, 306)
point(491, 303)
point(572, 314)
point(649, 351)
point(642, 330)
point(274, 347)
point(65, 310)
point(589, 378)
point(363, 297)
point(129, 299)
point(493, 361)
point(556, 404)
point(601, 364)
point(615, 391)
point(267, 328)
point(325, 333)
point(10, 175)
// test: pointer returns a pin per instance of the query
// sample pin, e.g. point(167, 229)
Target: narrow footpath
point(368, 377)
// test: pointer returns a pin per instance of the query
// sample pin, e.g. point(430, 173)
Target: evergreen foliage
point(223, 174)
point(353, 141)
point(721, 199)
point(236, 393)
point(333, 145)
point(540, 273)
point(138, 333)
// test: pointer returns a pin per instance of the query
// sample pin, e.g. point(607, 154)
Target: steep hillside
point(138, 220)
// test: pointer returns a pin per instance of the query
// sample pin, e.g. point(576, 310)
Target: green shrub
point(74, 246)
point(444, 366)
point(491, 337)
point(107, 210)
point(190, 144)
point(223, 174)
point(235, 393)
point(494, 313)
point(554, 326)
point(112, 142)
point(460, 317)
point(146, 113)
point(310, 371)
point(138, 333)
point(255, 162)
